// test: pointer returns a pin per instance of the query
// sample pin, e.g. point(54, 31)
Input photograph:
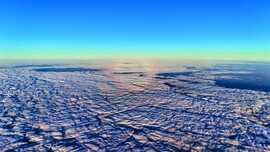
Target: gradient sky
point(218, 29)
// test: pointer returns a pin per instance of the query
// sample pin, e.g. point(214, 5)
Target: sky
point(201, 29)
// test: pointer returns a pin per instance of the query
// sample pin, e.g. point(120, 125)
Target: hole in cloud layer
point(127, 73)
point(245, 81)
point(257, 78)
point(174, 74)
point(243, 84)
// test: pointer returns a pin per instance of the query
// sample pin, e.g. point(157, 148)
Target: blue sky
point(172, 27)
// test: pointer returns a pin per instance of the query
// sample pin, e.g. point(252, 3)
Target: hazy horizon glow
point(225, 29)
